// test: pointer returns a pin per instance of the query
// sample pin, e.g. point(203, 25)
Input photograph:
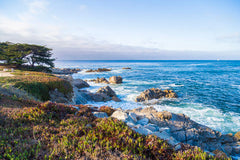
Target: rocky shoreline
point(177, 129)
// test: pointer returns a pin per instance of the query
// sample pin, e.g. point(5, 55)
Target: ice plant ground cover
point(35, 130)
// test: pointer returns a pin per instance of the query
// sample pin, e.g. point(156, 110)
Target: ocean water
point(209, 91)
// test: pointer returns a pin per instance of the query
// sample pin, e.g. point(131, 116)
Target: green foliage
point(19, 54)
point(38, 84)
point(54, 131)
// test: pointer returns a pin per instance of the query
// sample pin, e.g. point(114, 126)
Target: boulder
point(116, 99)
point(237, 136)
point(133, 116)
point(115, 79)
point(120, 115)
point(99, 70)
point(79, 83)
point(165, 115)
point(151, 127)
point(142, 130)
point(143, 121)
point(107, 90)
point(100, 114)
point(99, 97)
point(164, 135)
point(99, 80)
point(155, 93)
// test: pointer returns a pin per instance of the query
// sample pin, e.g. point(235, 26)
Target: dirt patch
point(5, 74)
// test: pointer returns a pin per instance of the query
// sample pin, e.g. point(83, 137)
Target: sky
point(125, 29)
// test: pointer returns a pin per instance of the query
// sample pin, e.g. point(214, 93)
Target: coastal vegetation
point(37, 84)
point(34, 130)
point(28, 56)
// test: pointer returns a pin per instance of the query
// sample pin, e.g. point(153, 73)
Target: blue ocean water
point(209, 91)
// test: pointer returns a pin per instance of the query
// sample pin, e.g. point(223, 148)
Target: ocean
point(209, 91)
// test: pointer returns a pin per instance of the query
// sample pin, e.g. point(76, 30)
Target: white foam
point(211, 117)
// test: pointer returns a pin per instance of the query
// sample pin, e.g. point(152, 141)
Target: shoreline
point(218, 142)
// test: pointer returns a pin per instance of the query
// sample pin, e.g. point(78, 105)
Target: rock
point(227, 149)
point(142, 130)
point(133, 116)
point(126, 68)
point(99, 97)
point(143, 121)
point(89, 125)
point(180, 136)
point(130, 124)
point(226, 138)
point(236, 149)
point(167, 137)
point(155, 93)
point(107, 90)
point(220, 154)
point(177, 147)
point(237, 136)
point(120, 115)
point(99, 70)
point(165, 115)
point(59, 97)
point(79, 83)
point(116, 99)
point(151, 127)
point(100, 114)
point(115, 79)
point(99, 80)
point(166, 129)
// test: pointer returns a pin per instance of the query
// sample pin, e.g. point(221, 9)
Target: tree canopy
point(26, 54)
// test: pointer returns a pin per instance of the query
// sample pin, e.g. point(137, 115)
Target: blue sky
point(126, 29)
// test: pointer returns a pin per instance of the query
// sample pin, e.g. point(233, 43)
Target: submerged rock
point(155, 93)
point(115, 79)
point(99, 70)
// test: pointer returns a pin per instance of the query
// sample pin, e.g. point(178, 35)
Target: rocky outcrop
point(59, 97)
point(103, 94)
point(177, 128)
point(107, 90)
point(155, 93)
point(115, 79)
point(126, 68)
point(99, 70)
point(99, 80)
point(65, 70)
point(79, 83)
